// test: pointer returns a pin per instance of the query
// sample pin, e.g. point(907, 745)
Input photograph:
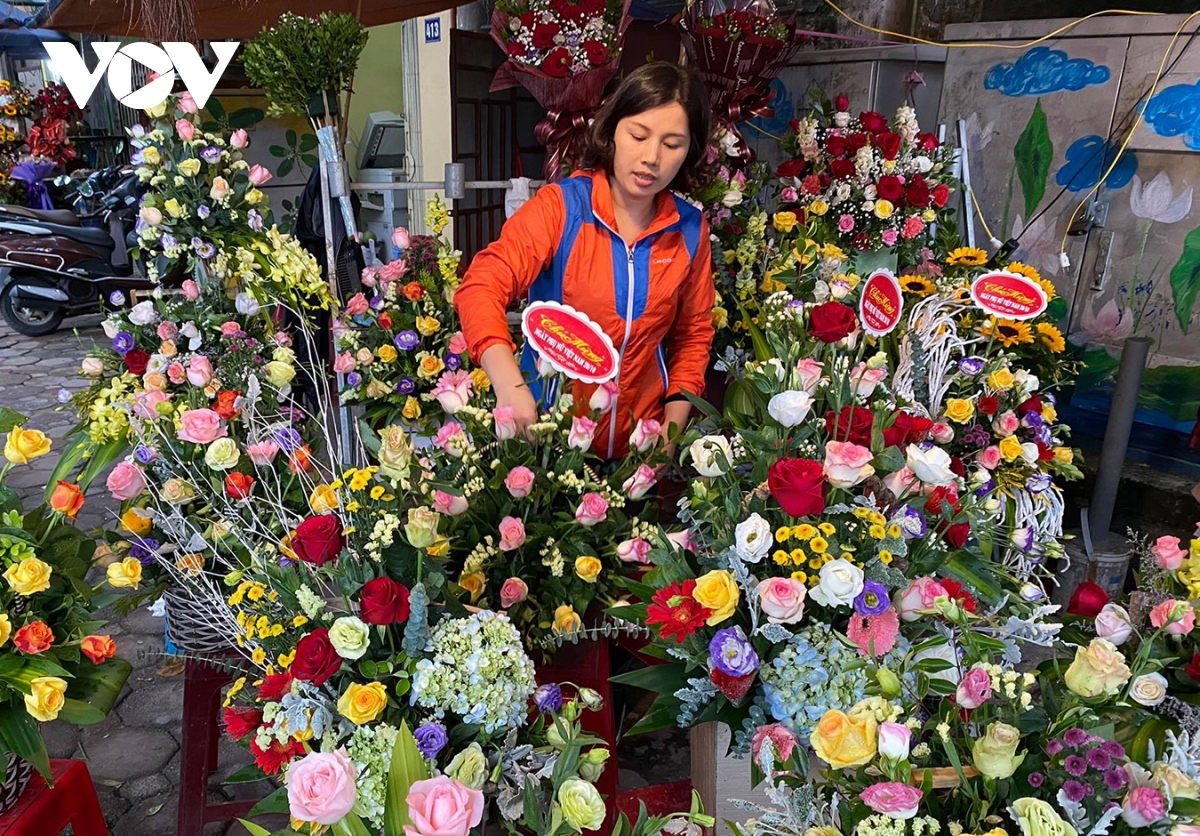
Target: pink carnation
point(913, 226)
point(781, 739)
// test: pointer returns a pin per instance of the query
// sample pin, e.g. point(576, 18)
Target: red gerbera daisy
point(676, 612)
point(875, 635)
point(274, 686)
point(272, 759)
point(240, 722)
point(958, 592)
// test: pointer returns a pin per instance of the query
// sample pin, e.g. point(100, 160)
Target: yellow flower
point(799, 556)
point(929, 216)
point(5, 628)
point(439, 549)
point(884, 209)
point(1008, 332)
point(995, 754)
point(818, 207)
point(717, 591)
point(785, 221)
point(827, 529)
point(566, 620)
point(819, 545)
point(473, 583)
point(917, 285)
point(1064, 455)
point(1051, 337)
point(720, 318)
point(428, 325)
point(174, 209)
point(1000, 380)
point(46, 697)
point(429, 365)
point(137, 521)
point(780, 557)
point(190, 166)
point(800, 576)
point(804, 531)
point(150, 155)
point(191, 564)
point(258, 656)
point(1049, 413)
point(125, 574)
point(23, 446)
point(387, 353)
point(1098, 669)
point(29, 576)
point(877, 531)
point(254, 196)
point(412, 409)
point(1010, 448)
point(362, 703)
point(480, 380)
point(782, 533)
point(969, 256)
point(885, 557)
point(842, 741)
point(323, 499)
point(729, 256)
point(587, 568)
point(959, 410)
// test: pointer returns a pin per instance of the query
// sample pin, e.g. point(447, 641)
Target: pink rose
point(239, 139)
point(393, 270)
point(262, 453)
point(147, 402)
point(370, 276)
point(1006, 423)
point(167, 330)
point(199, 370)
point(604, 397)
point(453, 391)
point(783, 741)
point(894, 741)
point(512, 534)
point(185, 129)
point(400, 238)
point(782, 599)
point(847, 464)
point(645, 434)
point(513, 592)
point(201, 426)
point(449, 504)
point(442, 806)
point(974, 689)
point(458, 343)
point(176, 373)
point(789, 195)
point(187, 104)
point(640, 483)
point(1175, 618)
point(519, 481)
point(681, 539)
point(1143, 807)
point(810, 372)
point(357, 305)
point(447, 436)
point(864, 380)
point(344, 363)
point(126, 481)
point(506, 425)
point(917, 598)
point(989, 457)
point(900, 481)
point(635, 550)
point(259, 175)
point(191, 290)
point(846, 223)
point(889, 236)
point(1112, 623)
point(593, 508)
point(321, 788)
point(893, 799)
point(942, 432)
point(231, 329)
point(582, 431)
point(1167, 552)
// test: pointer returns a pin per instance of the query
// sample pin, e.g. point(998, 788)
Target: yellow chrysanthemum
point(970, 256)
point(1008, 332)
point(1051, 337)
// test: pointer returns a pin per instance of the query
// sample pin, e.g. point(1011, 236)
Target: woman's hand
point(676, 415)
point(511, 390)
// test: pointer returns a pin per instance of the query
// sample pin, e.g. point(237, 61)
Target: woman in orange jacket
point(616, 244)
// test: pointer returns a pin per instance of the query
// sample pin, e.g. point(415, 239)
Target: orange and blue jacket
point(653, 297)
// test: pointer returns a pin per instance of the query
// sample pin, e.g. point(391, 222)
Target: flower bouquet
point(564, 52)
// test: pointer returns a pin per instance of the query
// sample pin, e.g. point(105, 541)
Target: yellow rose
point(1000, 380)
point(46, 697)
point(430, 366)
point(959, 410)
point(1178, 782)
point(137, 521)
point(23, 446)
point(279, 374)
point(588, 568)
point(29, 576)
point(818, 207)
point(190, 167)
point(929, 216)
point(480, 380)
point(1010, 448)
point(323, 499)
point(428, 325)
point(843, 741)
point(395, 451)
point(566, 620)
point(884, 209)
point(995, 754)
point(387, 353)
point(412, 409)
point(1064, 455)
point(5, 628)
point(717, 591)
point(1049, 413)
point(222, 454)
point(1098, 669)
point(720, 318)
point(422, 527)
point(173, 208)
point(125, 574)
point(473, 583)
point(362, 703)
point(785, 221)
point(150, 155)
point(253, 197)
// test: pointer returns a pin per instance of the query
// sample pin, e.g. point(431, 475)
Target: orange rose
point(34, 638)
point(66, 499)
point(414, 292)
point(99, 648)
point(300, 460)
point(224, 405)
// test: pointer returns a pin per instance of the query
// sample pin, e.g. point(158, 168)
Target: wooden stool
point(42, 811)
point(202, 684)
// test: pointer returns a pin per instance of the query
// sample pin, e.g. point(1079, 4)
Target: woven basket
point(16, 779)
point(190, 627)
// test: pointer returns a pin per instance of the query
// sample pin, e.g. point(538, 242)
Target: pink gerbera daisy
point(875, 635)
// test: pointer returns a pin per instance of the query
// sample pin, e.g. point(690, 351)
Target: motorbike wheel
point(31, 322)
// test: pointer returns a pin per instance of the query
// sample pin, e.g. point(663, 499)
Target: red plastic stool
point(202, 684)
point(42, 811)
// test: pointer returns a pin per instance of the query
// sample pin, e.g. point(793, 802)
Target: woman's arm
point(689, 342)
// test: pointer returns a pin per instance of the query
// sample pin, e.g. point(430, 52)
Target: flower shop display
point(564, 52)
point(56, 118)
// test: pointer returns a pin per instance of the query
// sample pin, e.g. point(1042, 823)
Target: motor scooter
point(51, 267)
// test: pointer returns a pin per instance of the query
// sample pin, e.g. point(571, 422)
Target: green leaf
point(215, 109)
point(280, 151)
point(350, 825)
point(254, 829)
point(94, 691)
point(290, 138)
point(276, 802)
point(71, 455)
point(308, 142)
point(309, 160)
point(285, 167)
point(10, 418)
point(100, 460)
point(407, 768)
point(19, 734)
point(1185, 279)
point(248, 774)
point(1033, 154)
point(246, 117)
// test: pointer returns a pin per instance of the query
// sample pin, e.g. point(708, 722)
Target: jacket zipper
point(612, 419)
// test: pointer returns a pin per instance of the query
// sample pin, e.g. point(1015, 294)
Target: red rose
point(557, 63)
point(888, 143)
point(238, 485)
point(385, 320)
point(528, 19)
point(240, 722)
point(516, 49)
point(926, 141)
point(1193, 668)
point(383, 601)
point(733, 687)
point(941, 193)
point(988, 405)
point(34, 638)
point(1031, 404)
point(853, 424)
point(956, 537)
point(939, 497)
point(318, 540)
point(544, 34)
point(956, 467)
point(890, 188)
point(957, 592)
point(831, 321)
point(841, 103)
point(861, 241)
point(856, 142)
point(790, 168)
point(274, 686)
point(596, 52)
point(316, 660)
point(136, 361)
point(1045, 452)
point(907, 429)
point(224, 405)
point(1087, 601)
point(799, 486)
point(917, 193)
point(873, 122)
point(842, 169)
point(835, 146)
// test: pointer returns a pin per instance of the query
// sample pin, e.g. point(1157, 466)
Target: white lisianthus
point(753, 539)
point(349, 637)
point(931, 466)
point(711, 455)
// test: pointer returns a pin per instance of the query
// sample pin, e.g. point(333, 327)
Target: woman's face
point(649, 150)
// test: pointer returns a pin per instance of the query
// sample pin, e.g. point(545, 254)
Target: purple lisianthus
point(123, 342)
point(548, 698)
point(353, 378)
point(145, 550)
point(169, 242)
point(731, 652)
point(407, 340)
point(377, 302)
point(116, 298)
point(145, 454)
point(1022, 538)
point(1075, 765)
point(873, 600)
point(986, 488)
point(286, 562)
point(1075, 737)
point(1036, 779)
point(406, 386)
point(254, 218)
point(211, 154)
point(453, 362)
point(203, 248)
point(64, 396)
point(431, 739)
point(911, 521)
point(1074, 791)
point(971, 365)
point(288, 439)
point(202, 211)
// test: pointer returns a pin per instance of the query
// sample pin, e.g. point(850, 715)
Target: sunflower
point(1030, 272)
point(1008, 332)
point(963, 296)
point(917, 285)
point(970, 256)
point(1051, 337)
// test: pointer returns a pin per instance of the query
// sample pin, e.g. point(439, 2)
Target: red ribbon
point(562, 133)
point(748, 103)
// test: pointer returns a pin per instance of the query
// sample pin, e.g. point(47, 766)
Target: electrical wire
point(982, 220)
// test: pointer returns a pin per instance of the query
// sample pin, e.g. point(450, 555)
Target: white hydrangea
point(370, 747)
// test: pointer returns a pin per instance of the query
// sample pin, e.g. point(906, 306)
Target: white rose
point(92, 366)
point(840, 583)
point(923, 164)
point(931, 466)
point(1029, 452)
point(841, 119)
point(349, 637)
point(732, 198)
point(1112, 623)
point(1149, 689)
point(246, 304)
point(790, 408)
point(157, 363)
point(143, 313)
point(711, 455)
point(753, 539)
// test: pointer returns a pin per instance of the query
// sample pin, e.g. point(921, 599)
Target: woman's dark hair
point(646, 88)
